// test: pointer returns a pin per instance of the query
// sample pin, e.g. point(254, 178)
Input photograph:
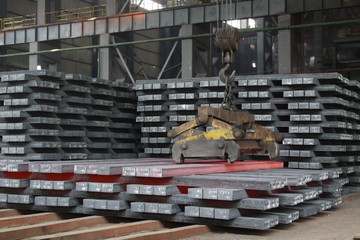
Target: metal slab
point(53, 32)
point(76, 29)
point(197, 15)
point(113, 25)
point(126, 23)
point(139, 21)
point(100, 26)
point(181, 16)
point(243, 9)
point(89, 28)
point(20, 36)
point(166, 18)
point(260, 8)
point(10, 37)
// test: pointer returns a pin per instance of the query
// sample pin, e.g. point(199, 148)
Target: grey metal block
point(151, 207)
point(4, 182)
point(195, 193)
point(259, 203)
point(26, 199)
point(165, 190)
point(288, 199)
point(137, 207)
point(35, 184)
point(63, 185)
point(133, 188)
point(111, 187)
point(51, 201)
point(210, 193)
point(82, 186)
point(18, 183)
point(94, 187)
point(146, 190)
point(47, 185)
point(116, 205)
point(100, 204)
point(165, 208)
point(226, 213)
point(192, 211)
point(3, 197)
point(89, 203)
point(66, 202)
point(207, 212)
point(13, 198)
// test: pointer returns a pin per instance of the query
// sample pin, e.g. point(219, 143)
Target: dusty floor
point(340, 223)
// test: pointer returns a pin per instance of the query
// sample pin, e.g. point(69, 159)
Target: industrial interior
point(179, 119)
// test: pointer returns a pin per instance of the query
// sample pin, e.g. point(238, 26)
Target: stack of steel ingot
point(317, 114)
point(251, 194)
point(29, 124)
point(52, 116)
point(73, 108)
point(126, 134)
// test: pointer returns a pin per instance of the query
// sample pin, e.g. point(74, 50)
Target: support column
point(113, 7)
point(284, 45)
point(105, 62)
point(260, 37)
point(3, 14)
point(34, 59)
point(41, 9)
point(187, 47)
point(318, 43)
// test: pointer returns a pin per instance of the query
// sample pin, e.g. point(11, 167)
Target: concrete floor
point(340, 223)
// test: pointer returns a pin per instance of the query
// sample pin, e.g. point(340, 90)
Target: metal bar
point(124, 63)
point(178, 38)
point(167, 60)
point(124, 6)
